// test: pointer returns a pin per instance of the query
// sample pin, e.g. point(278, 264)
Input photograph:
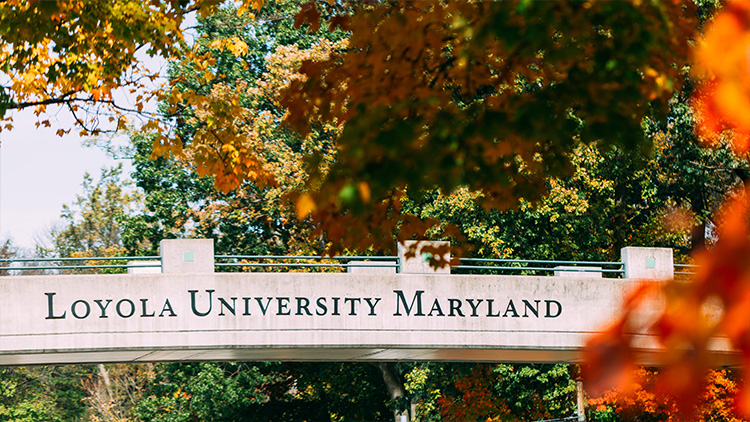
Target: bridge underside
point(312, 354)
point(318, 354)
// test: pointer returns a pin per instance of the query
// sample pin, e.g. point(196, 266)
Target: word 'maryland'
point(206, 303)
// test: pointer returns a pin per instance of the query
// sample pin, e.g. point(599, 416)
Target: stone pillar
point(187, 255)
point(647, 263)
point(420, 263)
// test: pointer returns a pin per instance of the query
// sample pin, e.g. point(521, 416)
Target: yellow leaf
point(238, 47)
point(305, 205)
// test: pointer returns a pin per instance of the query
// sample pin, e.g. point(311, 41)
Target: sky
point(39, 172)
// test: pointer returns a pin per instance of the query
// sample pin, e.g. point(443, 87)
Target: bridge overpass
point(184, 311)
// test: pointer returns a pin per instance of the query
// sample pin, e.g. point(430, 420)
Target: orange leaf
point(723, 62)
point(305, 205)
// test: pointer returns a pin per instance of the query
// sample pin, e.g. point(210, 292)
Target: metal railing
point(340, 262)
point(537, 266)
point(685, 269)
point(280, 261)
point(78, 263)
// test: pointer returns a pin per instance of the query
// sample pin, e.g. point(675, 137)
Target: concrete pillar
point(187, 255)
point(420, 262)
point(647, 263)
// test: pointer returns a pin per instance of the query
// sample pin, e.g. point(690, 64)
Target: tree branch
point(63, 99)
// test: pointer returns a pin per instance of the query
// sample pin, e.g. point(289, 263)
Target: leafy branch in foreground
point(713, 309)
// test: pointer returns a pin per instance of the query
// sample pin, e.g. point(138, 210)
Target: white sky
point(39, 172)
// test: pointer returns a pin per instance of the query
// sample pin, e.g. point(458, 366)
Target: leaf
point(305, 205)
point(364, 191)
point(308, 14)
point(722, 63)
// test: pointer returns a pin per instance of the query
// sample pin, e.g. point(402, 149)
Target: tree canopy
point(488, 96)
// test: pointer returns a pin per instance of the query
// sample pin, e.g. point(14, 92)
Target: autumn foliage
point(712, 311)
point(75, 54)
point(721, 61)
point(641, 400)
point(476, 401)
point(487, 96)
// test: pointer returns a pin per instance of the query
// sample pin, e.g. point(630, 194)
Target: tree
point(271, 391)
point(642, 402)
point(92, 223)
point(92, 227)
point(693, 176)
point(722, 279)
point(77, 54)
point(460, 100)
point(477, 401)
point(612, 199)
point(43, 393)
point(255, 217)
point(7, 251)
point(510, 393)
point(455, 103)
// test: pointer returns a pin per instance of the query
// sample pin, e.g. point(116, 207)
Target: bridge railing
point(685, 269)
point(537, 267)
point(632, 259)
point(466, 265)
point(75, 265)
point(334, 263)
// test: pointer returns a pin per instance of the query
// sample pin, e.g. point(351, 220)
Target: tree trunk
point(395, 387)
point(104, 374)
point(698, 235)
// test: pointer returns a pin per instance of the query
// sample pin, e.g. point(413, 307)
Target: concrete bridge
point(187, 312)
